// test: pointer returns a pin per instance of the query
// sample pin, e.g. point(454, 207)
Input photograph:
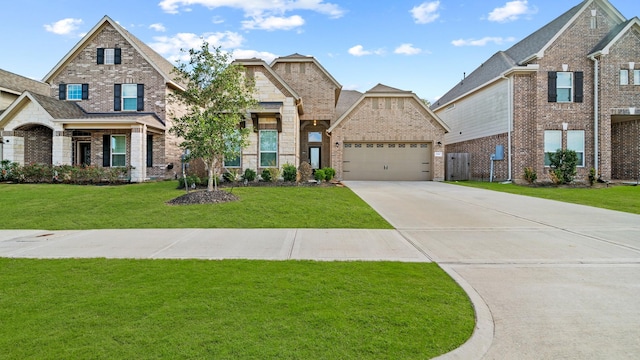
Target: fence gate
point(457, 166)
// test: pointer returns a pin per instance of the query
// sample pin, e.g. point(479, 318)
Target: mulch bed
point(203, 197)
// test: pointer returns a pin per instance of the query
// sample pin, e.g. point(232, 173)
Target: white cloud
point(426, 12)
point(249, 54)
point(63, 27)
point(273, 23)
point(158, 27)
point(482, 42)
point(261, 14)
point(170, 46)
point(407, 49)
point(511, 11)
point(359, 50)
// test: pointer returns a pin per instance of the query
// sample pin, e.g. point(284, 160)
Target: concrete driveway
point(559, 281)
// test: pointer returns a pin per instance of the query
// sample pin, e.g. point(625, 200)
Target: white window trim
point(624, 77)
point(109, 56)
point(268, 152)
point(547, 151)
point(636, 77)
point(135, 97)
point(115, 153)
point(69, 86)
point(580, 151)
point(571, 87)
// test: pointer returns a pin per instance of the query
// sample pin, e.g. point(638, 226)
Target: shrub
point(249, 175)
point(274, 174)
point(592, 176)
point(192, 180)
point(305, 171)
point(289, 172)
point(266, 175)
point(8, 170)
point(563, 165)
point(329, 173)
point(319, 175)
point(232, 175)
point(530, 175)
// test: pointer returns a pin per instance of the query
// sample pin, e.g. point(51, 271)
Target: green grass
point(232, 309)
point(620, 198)
point(56, 207)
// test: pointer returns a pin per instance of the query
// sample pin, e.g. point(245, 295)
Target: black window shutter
point(62, 91)
point(85, 91)
point(117, 56)
point(117, 93)
point(100, 56)
point(578, 78)
point(149, 150)
point(553, 93)
point(140, 97)
point(106, 150)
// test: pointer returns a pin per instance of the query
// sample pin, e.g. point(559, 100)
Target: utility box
point(499, 155)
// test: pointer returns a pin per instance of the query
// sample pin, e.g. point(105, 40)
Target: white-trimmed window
point(575, 142)
point(268, 148)
point(129, 97)
point(74, 91)
point(552, 142)
point(636, 77)
point(118, 150)
point(564, 87)
point(624, 77)
point(233, 162)
point(109, 56)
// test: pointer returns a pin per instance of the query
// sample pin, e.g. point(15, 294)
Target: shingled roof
point(518, 55)
point(18, 84)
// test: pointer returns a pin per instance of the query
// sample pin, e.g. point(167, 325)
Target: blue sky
point(422, 46)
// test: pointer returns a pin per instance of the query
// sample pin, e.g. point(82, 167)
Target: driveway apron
point(560, 281)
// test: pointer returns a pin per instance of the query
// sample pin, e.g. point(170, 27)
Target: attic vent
point(594, 19)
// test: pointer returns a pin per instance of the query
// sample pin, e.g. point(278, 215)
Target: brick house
point(573, 84)
point(106, 105)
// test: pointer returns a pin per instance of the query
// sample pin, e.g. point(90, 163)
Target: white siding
point(482, 114)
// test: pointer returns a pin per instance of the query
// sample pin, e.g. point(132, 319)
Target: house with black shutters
point(573, 84)
point(107, 107)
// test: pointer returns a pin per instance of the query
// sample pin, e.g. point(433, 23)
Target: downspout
point(596, 106)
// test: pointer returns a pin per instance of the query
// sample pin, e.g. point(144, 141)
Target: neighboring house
point(106, 105)
point(574, 84)
point(11, 86)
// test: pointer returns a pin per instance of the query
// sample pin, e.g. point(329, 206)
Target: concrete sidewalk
point(268, 244)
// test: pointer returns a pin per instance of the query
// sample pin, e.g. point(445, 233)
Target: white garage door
point(387, 161)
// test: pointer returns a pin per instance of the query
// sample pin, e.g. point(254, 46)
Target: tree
point(217, 94)
point(426, 102)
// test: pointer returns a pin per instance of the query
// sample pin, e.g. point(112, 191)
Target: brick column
point(61, 149)
point(138, 153)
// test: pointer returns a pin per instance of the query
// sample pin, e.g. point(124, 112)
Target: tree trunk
point(210, 183)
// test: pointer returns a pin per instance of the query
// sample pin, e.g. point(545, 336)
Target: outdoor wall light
point(439, 142)
point(337, 144)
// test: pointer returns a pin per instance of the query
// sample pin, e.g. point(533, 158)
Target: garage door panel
point(387, 161)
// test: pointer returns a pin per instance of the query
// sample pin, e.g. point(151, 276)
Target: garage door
point(387, 161)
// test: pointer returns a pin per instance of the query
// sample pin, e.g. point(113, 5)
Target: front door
point(314, 157)
point(84, 153)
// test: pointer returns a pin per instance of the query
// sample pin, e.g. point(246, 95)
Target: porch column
point(13, 147)
point(61, 149)
point(138, 153)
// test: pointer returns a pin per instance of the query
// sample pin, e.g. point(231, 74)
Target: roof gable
point(57, 109)
point(523, 52)
point(381, 90)
point(614, 35)
point(159, 63)
point(297, 58)
point(17, 84)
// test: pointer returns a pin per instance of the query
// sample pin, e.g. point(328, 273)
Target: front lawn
point(73, 207)
point(619, 197)
point(232, 309)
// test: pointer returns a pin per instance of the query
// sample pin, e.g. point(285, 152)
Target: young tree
point(217, 94)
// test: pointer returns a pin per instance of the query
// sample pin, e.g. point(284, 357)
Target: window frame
point(571, 87)
point(547, 146)
point(109, 56)
point(261, 151)
point(77, 92)
point(624, 77)
point(636, 77)
point(113, 152)
point(312, 140)
point(134, 97)
point(578, 149)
